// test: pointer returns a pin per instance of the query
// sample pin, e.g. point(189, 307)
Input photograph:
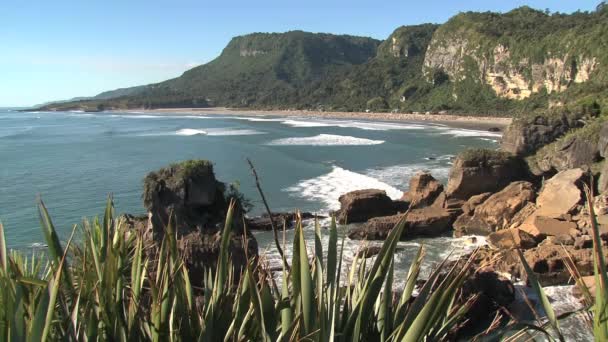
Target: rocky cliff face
point(510, 78)
point(517, 54)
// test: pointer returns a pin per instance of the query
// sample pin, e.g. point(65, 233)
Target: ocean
point(74, 160)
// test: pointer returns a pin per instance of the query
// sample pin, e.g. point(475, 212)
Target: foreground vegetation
point(112, 286)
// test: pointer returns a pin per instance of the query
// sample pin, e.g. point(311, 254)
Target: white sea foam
point(255, 119)
point(231, 131)
point(190, 132)
point(399, 175)
point(217, 132)
point(460, 132)
point(299, 123)
point(327, 188)
point(325, 140)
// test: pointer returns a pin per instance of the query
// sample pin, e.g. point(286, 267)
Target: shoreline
point(458, 121)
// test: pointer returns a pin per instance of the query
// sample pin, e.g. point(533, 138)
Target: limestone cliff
point(516, 61)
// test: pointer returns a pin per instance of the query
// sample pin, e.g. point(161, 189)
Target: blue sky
point(56, 49)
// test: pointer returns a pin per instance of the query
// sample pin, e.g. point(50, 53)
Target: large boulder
point(539, 226)
point(526, 135)
point(361, 205)
point(426, 222)
point(478, 171)
point(280, 220)
point(424, 190)
point(560, 194)
point(497, 211)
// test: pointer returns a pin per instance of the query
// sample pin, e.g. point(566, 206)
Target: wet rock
point(361, 205)
point(546, 261)
point(511, 238)
point(426, 222)
point(497, 211)
point(478, 171)
point(263, 222)
point(494, 129)
point(423, 191)
point(368, 251)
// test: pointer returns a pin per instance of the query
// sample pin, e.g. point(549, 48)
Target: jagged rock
point(361, 205)
point(546, 261)
point(473, 202)
point(426, 222)
point(496, 212)
point(511, 238)
point(571, 153)
point(544, 226)
point(263, 222)
point(478, 171)
point(560, 194)
point(424, 190)
point(524, 136)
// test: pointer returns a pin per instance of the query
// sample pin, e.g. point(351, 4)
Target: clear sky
point(58, 49)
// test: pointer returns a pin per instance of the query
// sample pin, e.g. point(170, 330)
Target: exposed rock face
point(497, 211)
point(196, 202)
point(571, 153)
point(525, 136)
point(560, 194)
point(478, 171)
point(511, 238)
point(469, 207)
point(189, 192)
point(509, 78)
point(424, 190)
point(427, 222)
point(361, 205)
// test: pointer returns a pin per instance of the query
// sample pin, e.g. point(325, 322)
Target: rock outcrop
point(479, 171)
point(189, 195)
point(572, 152)
point(264, 222)
point(424, 190)
point(526, 135)
point(361, 205)
point(497, 211)
point(560, 194)
point(427, 222)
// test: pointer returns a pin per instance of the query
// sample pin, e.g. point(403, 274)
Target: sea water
point(74, 160)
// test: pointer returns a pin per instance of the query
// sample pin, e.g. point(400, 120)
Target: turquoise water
point(73, 160)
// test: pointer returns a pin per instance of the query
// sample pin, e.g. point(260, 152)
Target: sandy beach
point(461, 121)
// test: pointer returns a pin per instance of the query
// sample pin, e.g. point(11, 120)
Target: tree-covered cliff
point(522, 61)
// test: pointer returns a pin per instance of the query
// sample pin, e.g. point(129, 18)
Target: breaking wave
point(325, 140)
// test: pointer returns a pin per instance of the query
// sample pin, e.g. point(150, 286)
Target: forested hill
point(479, 63)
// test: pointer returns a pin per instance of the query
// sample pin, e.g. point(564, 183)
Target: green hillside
point(523, 61)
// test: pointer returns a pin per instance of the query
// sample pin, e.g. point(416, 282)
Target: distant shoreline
point(460, 121)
